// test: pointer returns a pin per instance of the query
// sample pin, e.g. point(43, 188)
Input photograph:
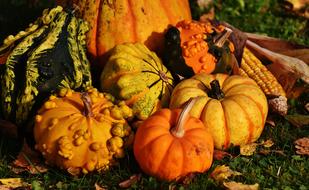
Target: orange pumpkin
point(116, 22)
point(169, 144)
point(233, 108)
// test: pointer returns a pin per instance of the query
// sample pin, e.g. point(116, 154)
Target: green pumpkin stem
point(178, 130)
point(87, 104)
point(216, 91)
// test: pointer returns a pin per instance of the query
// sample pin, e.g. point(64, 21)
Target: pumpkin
point(198, 47)
point(117, 22)
point(233, 108)
point(49, 55)
point(81, 132)
point(136, 75)
point(171, 144)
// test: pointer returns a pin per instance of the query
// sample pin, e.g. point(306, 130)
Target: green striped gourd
point(135, 74)
point(50, 54)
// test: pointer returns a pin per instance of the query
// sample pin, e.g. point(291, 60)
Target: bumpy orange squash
point(234, 108)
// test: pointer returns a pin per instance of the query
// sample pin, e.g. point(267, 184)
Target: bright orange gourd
point(81, 132)
point(169, 144)
point(233, 108)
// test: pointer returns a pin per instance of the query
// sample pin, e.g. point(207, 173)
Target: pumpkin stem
point(178, 130)
point(215, 91)
point(222, 39)
point(87, 104)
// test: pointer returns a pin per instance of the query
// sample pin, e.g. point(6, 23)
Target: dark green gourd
point(50, 54)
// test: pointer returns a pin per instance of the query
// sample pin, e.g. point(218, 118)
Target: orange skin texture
point(161, 154)
point(116, 22)
point(237, 119)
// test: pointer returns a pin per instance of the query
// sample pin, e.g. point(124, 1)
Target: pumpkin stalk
point(178, 130)
point(87, 104)
point(216, 91)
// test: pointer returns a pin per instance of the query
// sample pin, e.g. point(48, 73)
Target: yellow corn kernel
point(252, 67)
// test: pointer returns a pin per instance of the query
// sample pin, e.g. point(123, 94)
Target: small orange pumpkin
point(169, 144)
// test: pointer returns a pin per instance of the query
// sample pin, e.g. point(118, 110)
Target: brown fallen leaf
point(267, 151)
point(220, 154)
point(13, 183)
point(186, 180)
point(248, 149)
point(267, 144)
point(223, 172)
point(298, 120)
point(232, 185)
point(271, 122)
point(302, 146)
point(129, 182)
point(98, 187)
point(29, 161)
point(307, 107)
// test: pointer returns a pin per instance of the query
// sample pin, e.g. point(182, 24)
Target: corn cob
point(252, 67)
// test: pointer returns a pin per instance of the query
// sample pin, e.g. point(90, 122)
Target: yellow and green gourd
point(135, 74)
point(50, 54)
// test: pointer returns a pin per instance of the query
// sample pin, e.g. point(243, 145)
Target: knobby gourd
point(82, 132)
point(50, 54)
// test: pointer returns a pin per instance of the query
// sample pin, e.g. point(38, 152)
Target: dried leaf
point(219, 154)
point(232, 185)
point(73, 171)
point(98, 187)
point(28, 160)
point(248, 149)
point(298, 120)
point(222, 173)
point(267, 144)
point(129, 182)
point(298, 7)
point(271, 122)
point(186, 180)
point(274, 44)
point(302, 54)
point(302, 146)
point(13, 183)
point(307, 107)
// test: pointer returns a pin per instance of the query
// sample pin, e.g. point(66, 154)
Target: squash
point(171, 144)
point(233, 108)
point(136, 75)
point(198, 47)
point(49, 55)
point(117, 22)
point(81, 132)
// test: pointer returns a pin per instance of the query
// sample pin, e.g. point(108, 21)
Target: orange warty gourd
point(170, 144)
point(233, 108)
point(81, 132)
point(116, 22)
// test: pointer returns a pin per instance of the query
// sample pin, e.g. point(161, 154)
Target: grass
point(272, 171)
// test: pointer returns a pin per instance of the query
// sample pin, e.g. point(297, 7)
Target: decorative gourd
point(116, 22)
point(49, 55)
point(198, 47)
point(233, 108)
point(137, 75)
point(171, 144)
point(81, 132)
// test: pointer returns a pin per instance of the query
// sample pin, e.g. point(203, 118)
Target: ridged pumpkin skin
point(161, 154)
point(135, 74)
point(79, 141)
point(236, 119)
point(116, 22)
